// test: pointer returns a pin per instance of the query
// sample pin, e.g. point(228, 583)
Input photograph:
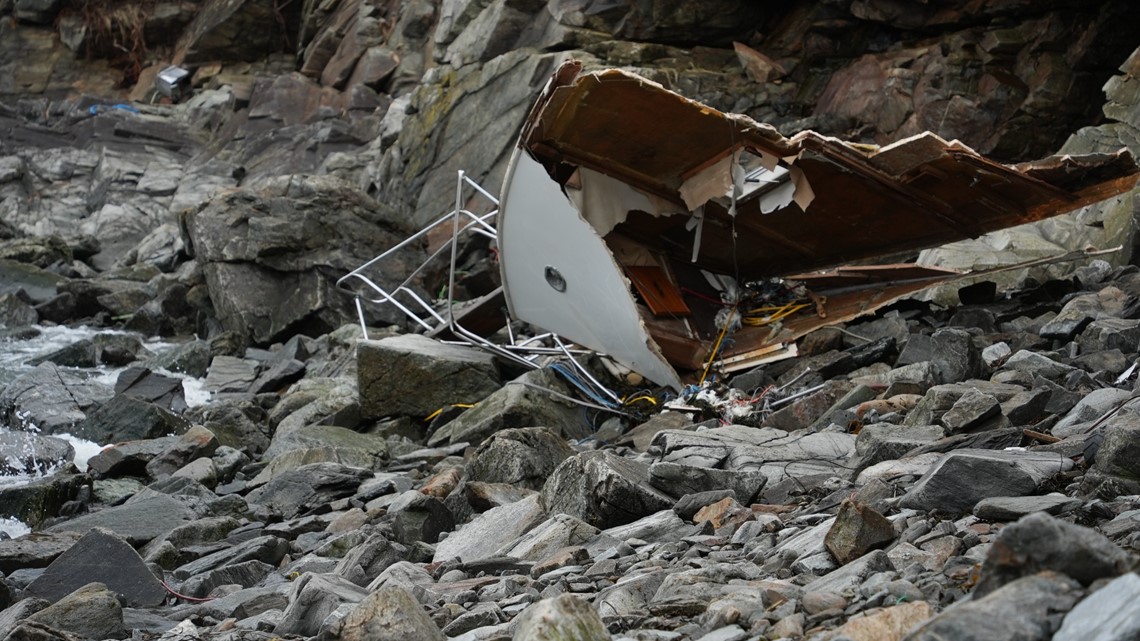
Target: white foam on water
point(14, 354)
point(13, 527)
point(84, 449)
point(194, 389)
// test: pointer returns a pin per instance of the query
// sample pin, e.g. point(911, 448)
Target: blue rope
point(582, 387)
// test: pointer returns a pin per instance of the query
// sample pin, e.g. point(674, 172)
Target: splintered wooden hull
point(631, 218)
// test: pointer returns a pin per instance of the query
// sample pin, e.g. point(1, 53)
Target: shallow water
point(13, 357)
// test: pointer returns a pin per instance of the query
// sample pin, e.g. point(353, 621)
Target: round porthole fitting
point(554, 278)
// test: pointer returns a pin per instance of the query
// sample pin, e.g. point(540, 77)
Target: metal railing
point(423, 313)
point(475, 223)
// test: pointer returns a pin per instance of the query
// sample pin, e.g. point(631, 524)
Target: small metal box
point(173, 82)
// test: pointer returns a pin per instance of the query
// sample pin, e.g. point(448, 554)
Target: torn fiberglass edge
point(667, 234)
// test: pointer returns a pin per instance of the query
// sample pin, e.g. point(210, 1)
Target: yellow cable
point(716, 347)
point(779, 313)
point(440, 410)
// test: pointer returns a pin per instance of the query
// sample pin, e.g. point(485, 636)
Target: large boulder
point(522, 402)
point(1040, 542)
point(603, 489)
point(313, 598)
point(523, 457)
point(104, 557)
point(313, 426)
point(962, 478)
point(365, 561)
point(91, 612)
point(272, 257)
point(415, 517)
point(677, 480)
point(1118, 459)
point(413, 375)
point(127, 418)
point(388, 614)
point(15, 312)
point(561, 617)
point(37, 501)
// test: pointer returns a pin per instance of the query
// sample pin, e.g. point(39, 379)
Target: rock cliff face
point(395, 95)
point(391, 98)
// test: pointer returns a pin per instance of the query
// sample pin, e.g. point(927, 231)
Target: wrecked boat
point(680, 240)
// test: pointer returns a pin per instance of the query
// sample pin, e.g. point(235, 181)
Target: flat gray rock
point(106, 558)
point(488, 532)
point(775, 453)
point(557, 532)
point(245, 574)
point(852, 575)
point(51, 398)
point(267, 549)
point(1091, 407)
point(137, 522)
point(676, 479)
point(35, 550)
point(231, 374)
point(660, 527)
point(1112, 613)
point(963, 477)
point(1011, 508)
point(310, 486)
point(128, 458)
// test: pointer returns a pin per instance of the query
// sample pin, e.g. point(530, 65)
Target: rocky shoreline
point(962, 472)
point(962, 466)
